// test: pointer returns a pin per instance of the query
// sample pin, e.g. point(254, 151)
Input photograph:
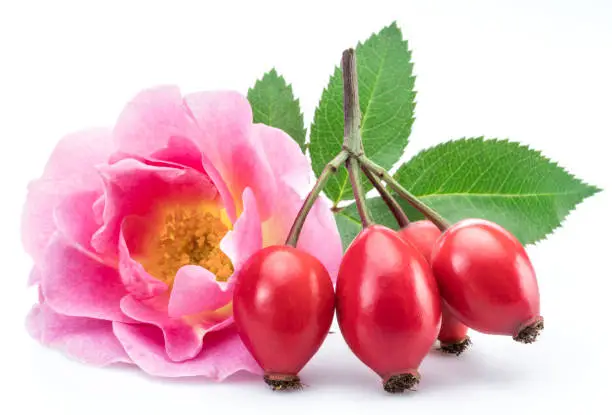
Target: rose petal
point(226, 196)
point(75, 284)
point(35, 276)
point(150, 119)
point(135, 188)
point(37, 224)
point(135, 278)
point(169, 156)
point(75, 219)
point(182, 340)
point(284, 156)
point(78, 173)
point(195, 290)
point(87, 340)
point(181, 151)
point(246, 237)
point(98, 210)
point(319, 236)
point(226, 117)
point(63, 175)
point(222, 355)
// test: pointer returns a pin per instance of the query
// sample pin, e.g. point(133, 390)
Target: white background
point(538, 72)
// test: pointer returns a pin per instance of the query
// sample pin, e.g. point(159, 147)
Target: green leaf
point(386, 98)
point(273, 104)
point(348, 227)
point(498, 180)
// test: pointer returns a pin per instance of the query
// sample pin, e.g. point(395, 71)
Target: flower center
point(188, 235)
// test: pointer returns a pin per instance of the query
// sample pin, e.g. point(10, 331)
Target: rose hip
point(453, 336)
point(423, 234)
point(487, 280)
point(388, 306)
point(283, 307)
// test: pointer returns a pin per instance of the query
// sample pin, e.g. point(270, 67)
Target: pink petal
point(135, 188)
point(182, 340)
point(222, 355)
point(319, 237)
point(75, 219)
point(35, 276)
point(63, 175)
point(75, 284)
point(226, 196)
point(226, 117)
point(165, 157)
point(87, 340)
point(284, 156)
point(180, 151)
point(37, 224)
point(195, 290)
point(135, 278)
point(150, 119)
point(184, 152)
point(246, 238)
point(98, 210)
point(78, 173)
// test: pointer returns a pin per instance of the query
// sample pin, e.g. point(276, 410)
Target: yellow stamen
point(188, 234)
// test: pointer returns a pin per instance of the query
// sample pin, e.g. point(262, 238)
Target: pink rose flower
point(137, 233)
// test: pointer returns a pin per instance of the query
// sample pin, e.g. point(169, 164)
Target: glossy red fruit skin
point(423, 235)
point(283, 307)
point(453, 331)
point(387, 302)
point(486, 277)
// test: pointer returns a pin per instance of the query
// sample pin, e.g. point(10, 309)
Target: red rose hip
point(283, 307)
point(487, 280)
point(423, 234)
point(453, 336)
point(388, 306)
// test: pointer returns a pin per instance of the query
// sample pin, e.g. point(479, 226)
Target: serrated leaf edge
point(275, 75)
point(393, 24)
point(589, 189)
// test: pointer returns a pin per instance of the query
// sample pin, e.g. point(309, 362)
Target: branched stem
point(392, 204)
point(300, 219)
point(384, 175)
point(352, 166)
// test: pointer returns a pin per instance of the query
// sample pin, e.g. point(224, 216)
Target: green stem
point(392, 204)
point(429, 213)
point(300, 219)
point(352, 131)
point(352, 166)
